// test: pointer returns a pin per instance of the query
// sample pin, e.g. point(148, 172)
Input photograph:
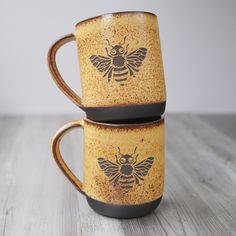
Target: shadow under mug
point(121, 67)
point(123, 166)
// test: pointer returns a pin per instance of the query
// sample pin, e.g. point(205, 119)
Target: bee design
point(119, 64)
point(125, 172)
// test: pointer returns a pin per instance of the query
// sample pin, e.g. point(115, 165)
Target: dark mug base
point(122, 113)
point(123, 211)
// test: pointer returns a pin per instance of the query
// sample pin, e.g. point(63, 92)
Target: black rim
point(115, 13)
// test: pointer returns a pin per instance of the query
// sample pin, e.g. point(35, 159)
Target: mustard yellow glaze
point(146, 86)
point(102, 141)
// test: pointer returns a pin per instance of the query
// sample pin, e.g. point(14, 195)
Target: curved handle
point(55, 148)
point(55, 72)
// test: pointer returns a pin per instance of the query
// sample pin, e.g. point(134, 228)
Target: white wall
point(198, 44)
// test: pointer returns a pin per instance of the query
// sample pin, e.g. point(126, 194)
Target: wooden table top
point(200, 181)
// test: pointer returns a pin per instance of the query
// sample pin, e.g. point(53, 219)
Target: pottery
point(121, 67)
point(123, 166)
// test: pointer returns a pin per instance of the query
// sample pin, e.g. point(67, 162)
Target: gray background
point(198, 45)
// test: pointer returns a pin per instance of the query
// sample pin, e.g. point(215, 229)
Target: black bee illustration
point(125, 172)
point(119, 64)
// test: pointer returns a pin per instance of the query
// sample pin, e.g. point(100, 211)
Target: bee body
point(126, 180)
point(126, 172)
point(118, 61)
point(120, 74)
point(119, 64)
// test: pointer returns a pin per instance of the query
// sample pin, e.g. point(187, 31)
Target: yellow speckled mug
point(123, 166)
point(121, 67)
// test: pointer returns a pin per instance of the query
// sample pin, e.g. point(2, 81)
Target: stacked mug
point(123, 96)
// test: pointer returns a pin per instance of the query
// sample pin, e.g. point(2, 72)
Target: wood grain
point(36, 199)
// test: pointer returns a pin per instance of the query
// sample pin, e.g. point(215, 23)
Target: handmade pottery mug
point(121, 66)
point(123, 166)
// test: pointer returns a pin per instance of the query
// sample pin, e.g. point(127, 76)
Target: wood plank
point(224, 123)
point(197, 155)
point(36, 199)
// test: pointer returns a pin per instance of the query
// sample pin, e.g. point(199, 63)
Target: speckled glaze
point(103, 141)
point(104, 144)
point(134, 79)
point(141, 30)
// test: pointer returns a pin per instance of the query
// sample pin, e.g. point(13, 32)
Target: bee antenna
point(124, 39)
point(109, 43)
point(119, 150)
point(134, 150)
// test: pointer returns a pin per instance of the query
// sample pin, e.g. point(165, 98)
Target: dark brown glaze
point(123, 113)
point(123, 211)
point(114, 13)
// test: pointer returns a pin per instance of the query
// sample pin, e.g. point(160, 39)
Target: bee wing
point(141, 169)
point(109, 168)
point(135, 59)
point(103, 64)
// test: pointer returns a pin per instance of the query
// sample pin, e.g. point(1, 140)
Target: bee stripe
point(117, 75)
point(126, 177)
point(120, 68)
point(118, 80)
point(126, 186)
point(127, 182)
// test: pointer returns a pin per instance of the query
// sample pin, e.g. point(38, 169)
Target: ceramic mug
point(121, 66)
point(123, 166)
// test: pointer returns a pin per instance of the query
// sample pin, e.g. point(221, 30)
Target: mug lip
point(120, 125)
point(115, 13)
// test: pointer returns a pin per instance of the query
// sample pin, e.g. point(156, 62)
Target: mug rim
point(157, 120)
point(115, 13)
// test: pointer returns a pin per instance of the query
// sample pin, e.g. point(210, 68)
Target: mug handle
point(55, 72)
point(55, 148)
